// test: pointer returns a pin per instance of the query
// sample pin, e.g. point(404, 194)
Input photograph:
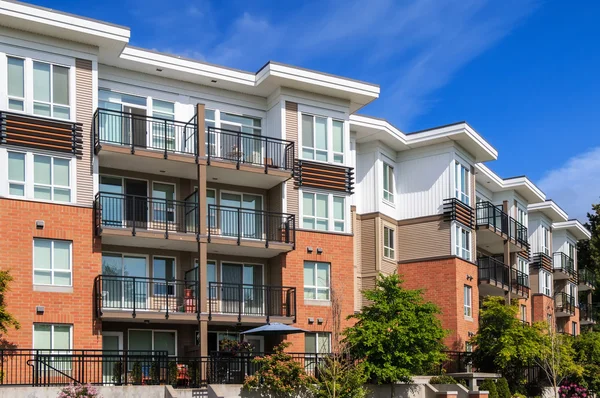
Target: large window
point(325, 212)
point(521, 215)
point(56, 338)
point(163, 133)
point(461, 182)
point(545, 283)
point(43, 177)
point(468, 301)
point(462, 242)
point(52, 263)
point(321, 140)
point(317, 343)
point(388, 183)
point(316, 280)
point(153, 340)
point(163, 270)
point(388, 243)
point(571, 250)
point(16, 84)
point(545, 240)
point(51, 90)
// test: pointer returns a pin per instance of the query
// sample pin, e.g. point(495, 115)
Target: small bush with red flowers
point(79, 391)
point(572, 390)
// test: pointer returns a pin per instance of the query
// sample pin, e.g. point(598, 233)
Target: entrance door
point(119, 288)
point(239, 288)
point(112, 344)
point(136, 206)
point(250, 207)
point(111, 201)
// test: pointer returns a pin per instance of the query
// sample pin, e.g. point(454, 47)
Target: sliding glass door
point(250, 297)
point(119, 288)
point(249, 215)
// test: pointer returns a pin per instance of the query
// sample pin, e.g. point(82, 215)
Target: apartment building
point(152, 202)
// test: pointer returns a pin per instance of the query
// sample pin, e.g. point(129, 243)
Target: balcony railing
point(520, 281)
point(456, 210)
point(259, 225)
point(251, 300)
point(563, 263)
point(587, 277)
point(564, 302)
point(587, 313)
point(249, 149)
point(144, 132)
point(541, 260)
point(492, 216)
point(492, 270)
point(117, 210)
point(132, 293)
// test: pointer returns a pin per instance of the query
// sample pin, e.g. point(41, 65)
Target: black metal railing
point(492, 270)
point(457, 362)
point(249, 149)
point(234, 222)
point(586, 313)
point(145, 294)
point(251, 300)
point(144, 132)
point(563, 263)
point(457, 210)
point(564, 302)
point(541, 260)
point(492, 216)
point(587, 277)
point(520, 281)
point(141, 212)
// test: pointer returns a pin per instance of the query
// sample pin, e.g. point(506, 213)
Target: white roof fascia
point(575, 227)
point(550, 209)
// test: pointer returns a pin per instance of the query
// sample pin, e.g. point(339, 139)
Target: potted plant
point(154, 373)
point(117, 375)
point(173, 373)
point(136, 373)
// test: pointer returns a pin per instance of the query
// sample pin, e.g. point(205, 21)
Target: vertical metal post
point(133, 199)
point(266, 158)
point(239, 150)
point(266, 218)
point(134, 296)
point(166, 156)
point(267, 290)
point(167, 298)
point(239, 232)
point(240, 303)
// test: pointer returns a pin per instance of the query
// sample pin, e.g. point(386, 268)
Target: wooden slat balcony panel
point(324, 176)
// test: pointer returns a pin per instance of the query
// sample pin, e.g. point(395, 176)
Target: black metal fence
point(145, 294)
point(587, 277)
point(492, 270)
point(458, 362)
point(564, 302)
point(144, 132)
point(493, 217)
point(259, 225)
point(251, 300)
point(141, 212)
point(562, 262)
point(250, 149)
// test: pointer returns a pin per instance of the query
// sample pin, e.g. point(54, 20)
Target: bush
point(443, 379)
point(518, 395)
point(79, 391)
point(572, 390)
point(341, 377)
point(136, 373)
point(117, 376)
point(502, 388)
point(173, 372)
point(490, 386)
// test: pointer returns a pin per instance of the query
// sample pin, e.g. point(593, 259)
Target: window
point(545, 241)
point(16, 84)
point(317, 343)
point(388, 183)
point(468, 301)
point(51, 90)
point(316, 281)
point(461, 182)
point(571, 250)
point(523, 274)
point(388, 243)
point(549, 319)
point(545, 283)
point(574, 328)
point(16, 174)
point(463, 243)
point(52, 262)
point(51, 178)
point(57, 340)
point(572, 291)
point(163, 270)
point(521, 215)
point(163, 131)
point(316, 136)
point(211, 276)
point(316, 214)
point(523, 313)
point(153, 340)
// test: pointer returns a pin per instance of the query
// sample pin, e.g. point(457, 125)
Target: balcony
point(124, 297)
point(235, 302)
point(239, 158)
point(497, 278)
point(587, 280)
point(496, 226)
point(564, 304)
point(587, 314)
point(563, 266)
point(541, 260)
point(139, 221)
point(456, 210)
point(249, 232)
point(158, 144)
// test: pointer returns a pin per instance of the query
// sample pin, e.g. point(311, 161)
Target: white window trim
point(391, 249)
point(545, 248)
point(52, 270)
point(317, 334)
point(175, 285)
point(523, 209)
point(330, 219)
point(468, 302)
point(330, 116)
point(455, 241)
point(52, 335)
point(315, 287)
point(29, 176)
point(523, 313)
point(456, 181)
point(521, 260)
point(153, 331)
point(545, 289)
point(391, 194)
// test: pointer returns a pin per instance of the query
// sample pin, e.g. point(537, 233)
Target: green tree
point(489, 385)
point(502, 388)
point(588, 251)
point(397, 335)
point(503, 343)
point(6, 319)
point(587, 354)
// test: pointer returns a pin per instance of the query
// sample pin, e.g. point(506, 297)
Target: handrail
point(564, 263)
point(492, 216)
point(565, 301)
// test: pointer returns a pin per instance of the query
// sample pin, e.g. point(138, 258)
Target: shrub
point(572, 390)
point(136, 373)
point(518, 395)
point(341, 377)
point(443, 379)
point(173, 372)
point(490, 386)
point(502, 388)
point(78, 391)
point(117, 373)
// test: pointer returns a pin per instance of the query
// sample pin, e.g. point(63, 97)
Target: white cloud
point(576, 184)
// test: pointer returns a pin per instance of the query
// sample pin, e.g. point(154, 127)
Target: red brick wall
point(17, 230)
point(338, 251)
point(541, 306)
point(443, 283)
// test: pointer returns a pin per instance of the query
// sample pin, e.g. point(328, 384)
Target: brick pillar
point(478, 394)
point(447, 394)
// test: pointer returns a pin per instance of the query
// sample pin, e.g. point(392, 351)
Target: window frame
point(172, 291)
point(317, 345)
point(330, 153)
point(468, 301)
point(14, 182)
point(545, 239)
point(218, 122)
point(545, 283)
point(390, 182)
point(391, 251)
point(52, 325)
point(331, 220)
point(459, 250)
point(315, 285)
point(52, 186)
point(574, 328)
point(153, 331)
point(51, 269)
point(23, 99)
point(523, 313)
point(458, 180)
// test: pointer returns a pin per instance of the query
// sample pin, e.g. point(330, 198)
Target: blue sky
point(523, 73)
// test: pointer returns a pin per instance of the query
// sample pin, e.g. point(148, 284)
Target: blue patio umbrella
point(274, 329)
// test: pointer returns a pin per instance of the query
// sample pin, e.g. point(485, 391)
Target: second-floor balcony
point(564, 304)
point(587, 279)
point(250, 232)
point(587, 314)
point(541, 260)
point(132, 220)
point(241, 158)
point(496, 226)
point(563, 266)
point(497, 278)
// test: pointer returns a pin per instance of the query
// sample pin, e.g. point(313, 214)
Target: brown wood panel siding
point(423, 240)
point(367, 283)
point(84, 112)
point(368, 246)
point(291, 134)
point(274, 200)
point(324, 176)
point(386, 266)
